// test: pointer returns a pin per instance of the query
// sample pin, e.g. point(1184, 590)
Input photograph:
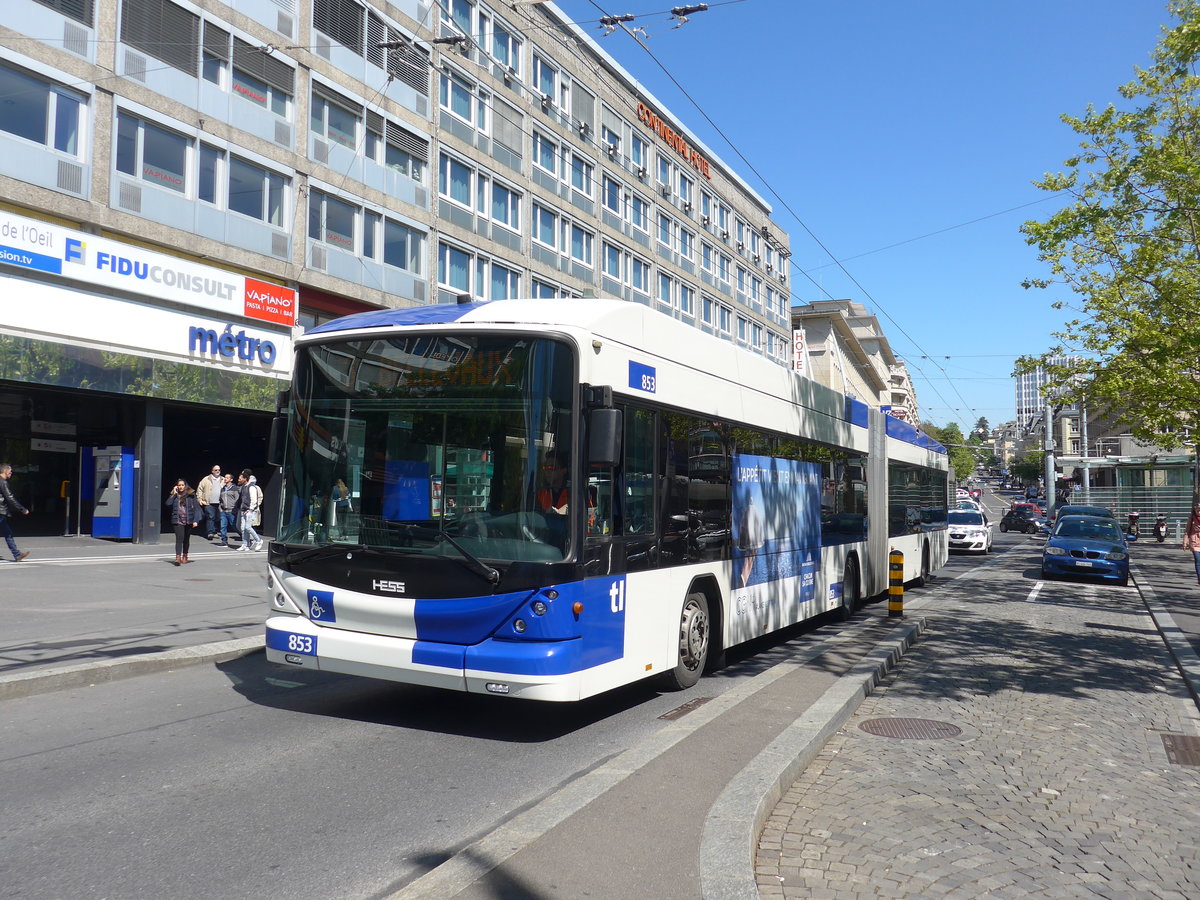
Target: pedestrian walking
point(250, 508)
point(185, 516)
point(231, 496)
point(208, 495)
point(8, 507)
point(1191, 538)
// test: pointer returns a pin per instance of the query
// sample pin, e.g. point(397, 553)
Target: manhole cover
point(911, 729)
point(680, 711)
point(1182, 749)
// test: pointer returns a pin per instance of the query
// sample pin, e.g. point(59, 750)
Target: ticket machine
point(108, 478)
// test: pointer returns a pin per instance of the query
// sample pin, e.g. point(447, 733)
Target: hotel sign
point(673, 139)
point(41, 247)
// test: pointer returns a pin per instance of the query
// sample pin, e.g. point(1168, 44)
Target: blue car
point(1087, 545)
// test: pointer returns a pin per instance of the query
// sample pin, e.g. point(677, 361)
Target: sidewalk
point(1040, 740)
point(80, 610)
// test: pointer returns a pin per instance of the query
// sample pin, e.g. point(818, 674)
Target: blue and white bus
point(548, 499)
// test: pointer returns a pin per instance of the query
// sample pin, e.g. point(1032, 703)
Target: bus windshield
point(432, 444)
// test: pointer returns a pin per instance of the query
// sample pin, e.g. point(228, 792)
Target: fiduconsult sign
point(42, 247)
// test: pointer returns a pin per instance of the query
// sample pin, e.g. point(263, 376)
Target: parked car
point(1025, 517)
point(962, 494)
point(969, 530)
point(1087, 545)
point(1071, 509)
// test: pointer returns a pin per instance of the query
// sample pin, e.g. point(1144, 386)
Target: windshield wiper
point(323, 550)
point(474, 563)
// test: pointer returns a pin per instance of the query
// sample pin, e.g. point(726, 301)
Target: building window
point(403, 247)
point(151, 153)
point(209, 172)
point(726, 319)
point(40, 112)
point(454, 268)
point(545, 226)
point(256, 192)
point(687, 300)
point(164, 30)
point(687, 241)
point(331, 221)
point(639, 152)
point(639, 275)
point(581, 174)
point(334, 120)
point(506, 206)
point(581, 244)
point(82, 11)
point(545, 153)
point(454, 180)
point(611, 194)
point(545, 77)
point(665, 294)
point(666, 229)
point(639, 213)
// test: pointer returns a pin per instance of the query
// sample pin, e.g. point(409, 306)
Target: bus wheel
point(851, 597)
point(923, 579)
point(694, 636)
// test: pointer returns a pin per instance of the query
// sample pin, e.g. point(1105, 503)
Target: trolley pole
point(895, 584)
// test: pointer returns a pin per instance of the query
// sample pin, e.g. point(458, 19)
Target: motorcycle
point(1131, 531)
point(1160, 528)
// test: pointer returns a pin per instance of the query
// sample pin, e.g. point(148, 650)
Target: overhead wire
point(666, 71)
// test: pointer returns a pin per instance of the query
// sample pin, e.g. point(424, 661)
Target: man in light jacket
point(208, 495)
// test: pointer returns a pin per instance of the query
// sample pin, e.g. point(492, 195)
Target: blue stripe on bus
point(380, 318)
point(907, 432)
point(558, 643)
point(856, 412)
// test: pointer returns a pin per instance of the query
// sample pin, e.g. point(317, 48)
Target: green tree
point(962, 457)
point(1030, 467)
point(1128, 247)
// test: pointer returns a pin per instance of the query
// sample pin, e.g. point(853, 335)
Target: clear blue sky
point(883, 125)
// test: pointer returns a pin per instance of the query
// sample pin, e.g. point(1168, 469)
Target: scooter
point(1131, 532)
point(1160, 528)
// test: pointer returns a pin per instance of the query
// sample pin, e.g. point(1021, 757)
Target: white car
point(962, 494)
point(969, 530)
point(968, 504)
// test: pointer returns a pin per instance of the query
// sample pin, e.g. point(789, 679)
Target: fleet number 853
point(300, 643)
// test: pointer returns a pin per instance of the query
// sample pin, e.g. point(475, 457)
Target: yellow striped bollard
point(895, 584)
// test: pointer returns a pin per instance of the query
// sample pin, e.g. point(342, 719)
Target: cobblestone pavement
point(1059, 784)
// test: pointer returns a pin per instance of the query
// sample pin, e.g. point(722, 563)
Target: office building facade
point(184, 185)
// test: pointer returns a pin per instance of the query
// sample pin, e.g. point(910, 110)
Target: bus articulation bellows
point(550, 498)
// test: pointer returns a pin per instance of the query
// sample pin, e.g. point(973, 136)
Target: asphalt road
point(246, 780)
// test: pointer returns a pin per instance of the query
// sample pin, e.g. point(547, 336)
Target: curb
point(27, 684)
point(731, 830)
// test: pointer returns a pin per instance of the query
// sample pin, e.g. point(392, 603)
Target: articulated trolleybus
point(550, 498)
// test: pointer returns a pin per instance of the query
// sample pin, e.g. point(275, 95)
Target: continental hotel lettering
point(674, 139)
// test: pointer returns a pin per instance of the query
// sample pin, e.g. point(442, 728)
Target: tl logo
point(616, 596)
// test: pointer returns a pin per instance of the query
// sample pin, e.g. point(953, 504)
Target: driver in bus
point(553, 495)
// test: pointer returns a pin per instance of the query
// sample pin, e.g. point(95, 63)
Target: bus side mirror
point(278, 438)
point(604, 437)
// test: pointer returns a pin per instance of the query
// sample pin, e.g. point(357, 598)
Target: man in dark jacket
point(8, 507)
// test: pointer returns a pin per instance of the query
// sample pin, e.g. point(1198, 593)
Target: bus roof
point(631, 323)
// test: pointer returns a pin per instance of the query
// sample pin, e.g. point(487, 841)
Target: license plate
point(287, 642)
point(1083, 562)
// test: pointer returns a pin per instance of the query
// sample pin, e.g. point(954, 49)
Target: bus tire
point(923, 579)
point(851, 590)
point(695, 635)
